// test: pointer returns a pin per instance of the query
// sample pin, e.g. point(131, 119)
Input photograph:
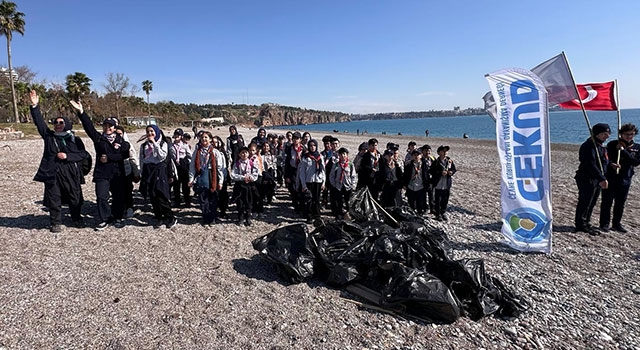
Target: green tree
point(147, 86)
point(78, 85)
point(11, 21)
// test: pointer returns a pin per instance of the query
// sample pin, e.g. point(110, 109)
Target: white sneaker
point(129, 213)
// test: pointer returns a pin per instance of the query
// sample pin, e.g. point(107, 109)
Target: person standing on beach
point(416, 181)
point(108, 174)
point(590, 177)
point(619, 178)
point(293, 156)
point(312, 175)
point(343, 179)
point(60, 168)
point(182, 159)
point(369, 167)
point(235, 142)
point(442, 169)
point(429, 159)
point(204, 178)
point(245, 173)
point(260, 138)
point(155, 176)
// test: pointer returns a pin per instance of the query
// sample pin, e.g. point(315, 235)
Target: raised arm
point(36, 115)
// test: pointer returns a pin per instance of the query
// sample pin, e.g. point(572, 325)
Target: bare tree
point(117, 84)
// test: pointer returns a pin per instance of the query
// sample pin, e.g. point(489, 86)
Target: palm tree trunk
point(148, 105)
point(13, 88)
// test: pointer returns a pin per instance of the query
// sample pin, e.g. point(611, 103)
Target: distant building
point(141, 120)
point(212, 120)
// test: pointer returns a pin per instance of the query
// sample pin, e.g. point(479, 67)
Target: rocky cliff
point(274, 115)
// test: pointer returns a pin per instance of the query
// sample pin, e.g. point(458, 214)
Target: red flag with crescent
point(595, 97)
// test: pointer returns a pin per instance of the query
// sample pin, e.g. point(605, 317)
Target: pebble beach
point(191, 287)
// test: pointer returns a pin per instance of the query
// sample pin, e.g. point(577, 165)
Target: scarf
point(206, 156)
point(317, 158)
point(233, 137)
point(298, 150)
point(343, 166)
point(64, 136)
point(110, 137)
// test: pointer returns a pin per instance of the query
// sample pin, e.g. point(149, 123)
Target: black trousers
point(208, 204)
point(588, 194)
point(244, 194)
point(417, 200)
point(441, 201)
point(312, 206)
point(182, 185)
point(53, 194)
point(615, 196)
point(104, 187)
point(340, 200)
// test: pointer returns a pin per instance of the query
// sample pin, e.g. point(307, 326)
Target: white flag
point(556, 77)
point(522, 127)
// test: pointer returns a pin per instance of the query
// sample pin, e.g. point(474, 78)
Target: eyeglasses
point(58, 122)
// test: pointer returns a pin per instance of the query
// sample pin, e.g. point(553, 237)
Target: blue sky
point(350, 56)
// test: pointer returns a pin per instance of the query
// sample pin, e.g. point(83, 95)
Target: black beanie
point(600, 127)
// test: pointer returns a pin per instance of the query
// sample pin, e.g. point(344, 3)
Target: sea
point(568, 127)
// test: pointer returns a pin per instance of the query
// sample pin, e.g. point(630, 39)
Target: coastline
point(188, 287)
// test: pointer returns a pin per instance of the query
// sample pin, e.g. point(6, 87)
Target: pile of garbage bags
point(393, 259)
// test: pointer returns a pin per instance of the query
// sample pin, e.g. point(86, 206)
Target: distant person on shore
point(426, 133)
point(619, 178)
point(60, 169)
point(235, 142)
point(465, 136)
point(108, 174)
point(442, 169)
point(590, 177)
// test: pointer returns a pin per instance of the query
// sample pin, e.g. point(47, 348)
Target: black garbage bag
point(418, 293)
point(407, 214)
point(435, 240)
point(343, 253)
point(362, 207)
point(290, 250)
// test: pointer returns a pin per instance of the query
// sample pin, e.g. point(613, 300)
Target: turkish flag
point(595, 97)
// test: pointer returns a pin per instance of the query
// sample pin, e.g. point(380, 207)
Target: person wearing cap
point(59, 169)
point(293, 156)
point(590, 177)
point(619, 178)
point(235, 142)
point(155, 179)
point(441, 170)
point(108, 174)
point(181, 157)
point(328, 153)
point(416, 182)
point(369, 167)
point(343, 179)
point(311, 176)
point(410, 148)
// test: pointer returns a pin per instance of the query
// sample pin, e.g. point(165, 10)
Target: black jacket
point(116, 152)
point(71, 145)
point(424, 172)
point(629, 159)
point(589, 168)
point(437, 168)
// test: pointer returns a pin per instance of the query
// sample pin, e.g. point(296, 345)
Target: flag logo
point(528, 224)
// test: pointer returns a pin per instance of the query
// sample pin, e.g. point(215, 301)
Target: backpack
point(86, 163)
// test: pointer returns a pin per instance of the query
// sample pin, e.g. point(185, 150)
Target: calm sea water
point(565, 127)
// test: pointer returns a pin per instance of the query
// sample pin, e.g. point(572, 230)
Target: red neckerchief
point(298, 151)
point(344, 165)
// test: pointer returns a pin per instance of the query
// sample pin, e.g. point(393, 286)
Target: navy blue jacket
point(424, 170)
point(629, 158)
point(589, 169)
point(115, 156)
point(437, 168)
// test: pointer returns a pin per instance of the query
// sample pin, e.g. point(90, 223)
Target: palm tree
point(11, 21)
point(78, 85)
point(147, 86)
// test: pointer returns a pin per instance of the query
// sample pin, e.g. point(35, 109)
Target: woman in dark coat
point(60, 168)
point(108, 174)
point(235, 142)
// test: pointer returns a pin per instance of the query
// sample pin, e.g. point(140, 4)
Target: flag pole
point(584, 113)
point(619, 123)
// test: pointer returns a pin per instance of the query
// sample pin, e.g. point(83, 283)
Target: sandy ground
point(197, 288)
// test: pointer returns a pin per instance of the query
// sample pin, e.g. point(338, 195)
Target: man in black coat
point(619, 179)
point(590, 176)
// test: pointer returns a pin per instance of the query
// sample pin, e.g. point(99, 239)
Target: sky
point(349, 56)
